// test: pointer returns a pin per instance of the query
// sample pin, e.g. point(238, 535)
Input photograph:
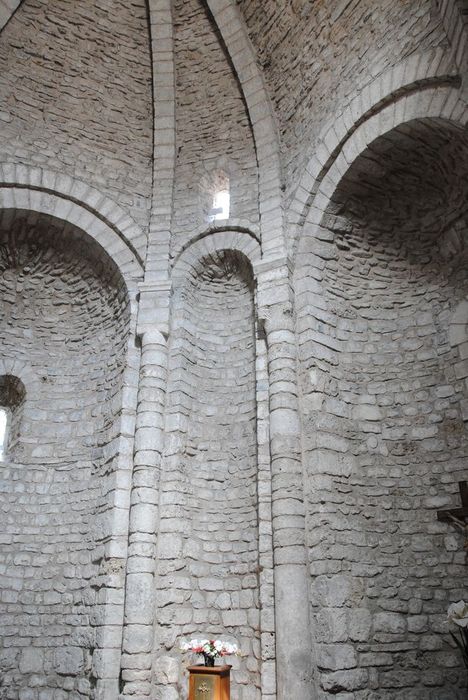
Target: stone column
point(153, 328)
point(294, 660)
point(139, 602)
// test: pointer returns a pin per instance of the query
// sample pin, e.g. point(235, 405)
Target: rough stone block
point(68, 661)
point(31, 660)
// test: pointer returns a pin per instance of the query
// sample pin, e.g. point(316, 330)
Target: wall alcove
point(64, 315)
point(208, 542)
point(384, 438)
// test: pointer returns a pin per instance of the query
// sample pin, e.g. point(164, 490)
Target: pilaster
point(292, 626)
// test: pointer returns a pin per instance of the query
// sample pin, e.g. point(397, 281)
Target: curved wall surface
point(208, 552)
point(229, 426)
point(384, 434)
point(64, 321)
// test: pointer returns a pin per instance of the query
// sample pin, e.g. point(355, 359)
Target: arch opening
point(65, 320)
point(384, 436)
point(209, 483)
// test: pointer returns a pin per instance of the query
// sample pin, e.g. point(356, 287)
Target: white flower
point(213, 648)
point(458, 613)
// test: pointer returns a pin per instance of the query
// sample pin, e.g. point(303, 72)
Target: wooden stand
point(209, 682)
point(457, 514)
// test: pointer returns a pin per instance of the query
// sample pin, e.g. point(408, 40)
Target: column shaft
point(294, 659)
point(139, 601)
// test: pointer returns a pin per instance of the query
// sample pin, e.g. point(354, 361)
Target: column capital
point(277, 317)
point(153, 309)
point(273, 275)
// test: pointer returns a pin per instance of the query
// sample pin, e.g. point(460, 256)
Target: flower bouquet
point(458, 614)
point(210, 649)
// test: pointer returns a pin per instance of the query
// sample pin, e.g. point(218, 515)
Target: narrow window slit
point(4, 426)
point(220, 208)
point(12, 397)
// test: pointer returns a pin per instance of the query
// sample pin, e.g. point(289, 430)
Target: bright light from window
point(3, 431)
point(220, 205)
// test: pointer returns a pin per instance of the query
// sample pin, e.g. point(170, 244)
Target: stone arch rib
point(454, 14)
point(234, 34)
point(441, 102)
point(164, 135)
point(414, 75)
point(211, 243)
point(7, 10)
point(23, 187)
point(438, 103)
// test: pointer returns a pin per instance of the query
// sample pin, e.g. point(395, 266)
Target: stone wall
point(64, 320)
point(207, 564)
point(213, 128)
point(329, 51)
point(376, 313)
point(383, 421)
point(75, 87)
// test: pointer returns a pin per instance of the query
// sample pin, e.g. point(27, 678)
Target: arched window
point(215, 195)
point(220, 208)
point(12, 396)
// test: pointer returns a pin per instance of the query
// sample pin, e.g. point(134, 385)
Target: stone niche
point(384, 439)
point(64, 319)
point(207, 576)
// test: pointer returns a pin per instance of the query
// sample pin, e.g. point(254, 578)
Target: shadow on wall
point(64, 314)
point(384, 438)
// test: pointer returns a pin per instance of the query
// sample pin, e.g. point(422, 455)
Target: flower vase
point(209, 660)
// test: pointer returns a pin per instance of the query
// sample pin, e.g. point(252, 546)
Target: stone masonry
point(236, 428)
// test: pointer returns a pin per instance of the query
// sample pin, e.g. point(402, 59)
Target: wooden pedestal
point(209, 683)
